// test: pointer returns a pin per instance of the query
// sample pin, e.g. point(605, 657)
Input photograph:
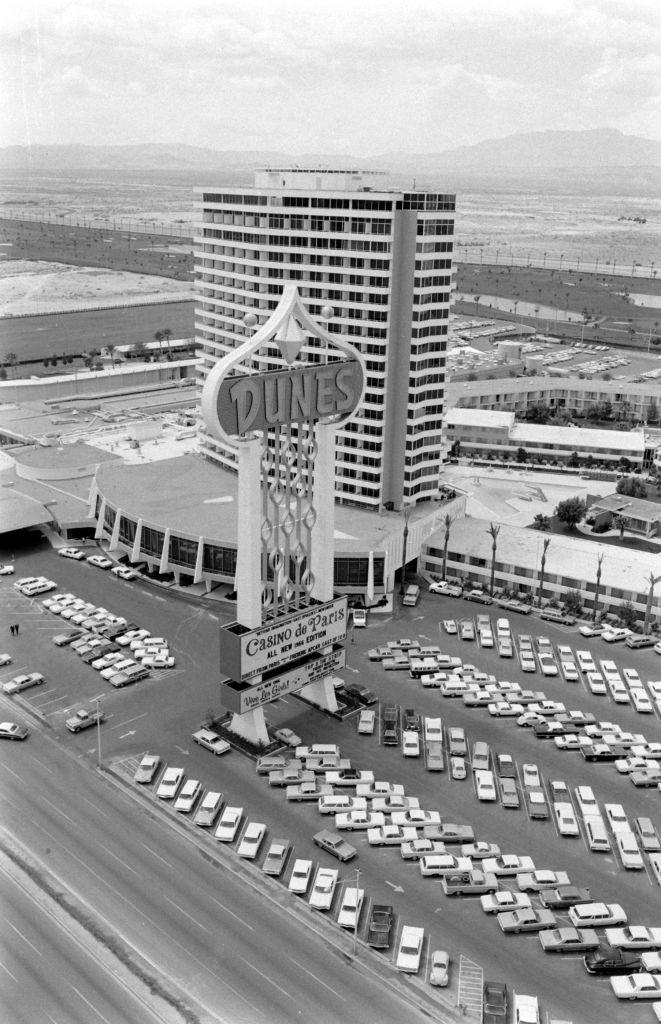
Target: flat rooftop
point(197, 498)
point(573, 557)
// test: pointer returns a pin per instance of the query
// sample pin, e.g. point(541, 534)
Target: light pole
point(600, 558)
point(407, 513)
point(650, 597)
point(355, 921)
point(97, 701)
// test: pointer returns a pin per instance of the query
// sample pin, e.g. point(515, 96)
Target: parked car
point(13, 731)
point(276, 857)
point(568, 940)
point(494, 1002)
point(504, 900)
point(366, 722)
point(147, 769)
point(25, 681)
point(526, 919)
point(251, 840)
point(208, 809)
point(187, 796)
point(334, 844)
point(350, 908)
point(228, 824)
point(379, 926)
point(637, 986)
point(99, 561)
point(300, 877)
point(563, 896)
point(409, 951)
point(439, 973)
point(606, 960)
point(170, 783)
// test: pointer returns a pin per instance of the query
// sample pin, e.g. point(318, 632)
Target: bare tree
point(493, 532)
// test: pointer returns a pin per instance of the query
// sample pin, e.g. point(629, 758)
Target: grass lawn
point(633, 543)
point(599, 296)
point(96, 247)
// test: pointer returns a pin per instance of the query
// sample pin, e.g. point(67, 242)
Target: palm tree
point(493, 531)
point(620, 522)
point(542, 570)
point(110, 349)
point(167, 334)
point(600, 558)
point(447, 525)
point(159, 338)
point(650, 597)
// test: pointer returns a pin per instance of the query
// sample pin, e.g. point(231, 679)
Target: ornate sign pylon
point(282, 424)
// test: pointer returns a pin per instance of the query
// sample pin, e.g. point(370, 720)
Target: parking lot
point(160, 714)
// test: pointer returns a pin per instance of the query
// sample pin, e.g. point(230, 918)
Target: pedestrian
point(11, 630)
point(16, 629)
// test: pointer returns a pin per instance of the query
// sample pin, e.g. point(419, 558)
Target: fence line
point(152, 227)
point(505, 256)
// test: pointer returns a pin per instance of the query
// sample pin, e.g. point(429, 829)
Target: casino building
point(377, 264)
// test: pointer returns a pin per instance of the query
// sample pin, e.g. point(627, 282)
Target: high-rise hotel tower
point(382, 260)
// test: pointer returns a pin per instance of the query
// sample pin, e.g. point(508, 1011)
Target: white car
point(228, 824)
point(596, 915)
point(612, 636)
point(366, 722)
point(535, 881)
point(585, 661)
point(629, 852)
point(505, 709)
point(416, 816)
point(118, 666)
point(156, 661)
point(587, 803)
point(485, 786)
point(548, 664)
point(99, 561)
point(5, 659)
point(526, 1009)
point(497, 902)
point(208, 808)
point(251, 840)
point(566, 819)
point(300, 877)
point(414, 849)
point(107, 660)
point(71, 553)
point(6, 570)
point(443, 864)
point(287, 736)
point(410, 744)
point(641, 702)
point(637, 986)
point(591, 630)
point(373, 789)
point(442, 587)
point(507, 865)
point(170, 783)
point(439, 973)
point(341, 803)
point(153, 643)
point(323, 889)
point(23, 682)
point(123, 572)
point(450, 627)
point(391, 835)
point(596, 683)
point(569, 671)
point(188, 794)
point(359, 820)
point(617, 819)
point(359, 618)
point(352, 902)
point(458, 768)
point(530, 776)
point(547, 707)
point(632, 677)
point(626, 765)
point(409, 950)
point(610, 670)
point(394, 802)
point(636, 936)
point(133, 634)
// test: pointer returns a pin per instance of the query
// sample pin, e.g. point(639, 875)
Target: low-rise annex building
point(486, 433)
point(571, 565)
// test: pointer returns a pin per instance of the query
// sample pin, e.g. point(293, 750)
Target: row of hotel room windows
point(508, 444)
point(430, 201)
point(509, 571)
point(348, 572)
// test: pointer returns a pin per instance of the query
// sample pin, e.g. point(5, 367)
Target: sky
point(360, 77)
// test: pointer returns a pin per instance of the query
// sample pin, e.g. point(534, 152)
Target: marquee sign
point(258, 401)
point(248, 653)
point(240, 698)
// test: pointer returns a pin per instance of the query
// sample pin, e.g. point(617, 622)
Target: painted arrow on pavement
point(395, 888)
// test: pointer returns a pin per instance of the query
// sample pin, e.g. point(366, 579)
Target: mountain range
point(569, 154)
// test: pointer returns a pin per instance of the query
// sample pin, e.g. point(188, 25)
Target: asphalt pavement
point(161, 713)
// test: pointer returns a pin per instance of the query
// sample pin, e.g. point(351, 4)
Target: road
point(206, 930)
point(137, 722)
point(49, 976)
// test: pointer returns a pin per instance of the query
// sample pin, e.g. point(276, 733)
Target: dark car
point(411, 719)
point(479, 596)
point(390, 719)
point(494, 1010)
point(607, 960)
point(334, 844)
point(563, 896)
point(360, 693)
point(380, 925)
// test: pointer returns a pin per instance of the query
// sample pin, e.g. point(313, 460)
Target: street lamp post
point(355, 923)
point(407, 513)
point(600, 558)
point(97, 701)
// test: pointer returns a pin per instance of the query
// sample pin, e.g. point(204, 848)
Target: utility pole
point(407, 513)
point(355, 923)
point(97, 701)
